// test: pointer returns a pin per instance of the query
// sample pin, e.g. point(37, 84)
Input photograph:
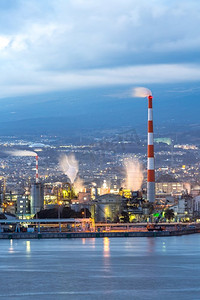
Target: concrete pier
point(59, 235)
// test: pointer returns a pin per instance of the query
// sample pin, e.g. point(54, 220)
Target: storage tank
point(37, 197)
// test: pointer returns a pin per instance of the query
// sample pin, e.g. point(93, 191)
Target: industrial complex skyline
point(78, 70)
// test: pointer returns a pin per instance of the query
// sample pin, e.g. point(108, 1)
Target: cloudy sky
point(74, 63)
point(58, 45)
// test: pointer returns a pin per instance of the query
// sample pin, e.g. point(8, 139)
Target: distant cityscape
point(100, 189)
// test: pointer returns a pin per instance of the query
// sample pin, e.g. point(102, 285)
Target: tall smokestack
point(36, 175)
point(150, 159)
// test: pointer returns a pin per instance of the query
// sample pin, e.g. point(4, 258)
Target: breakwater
point(63, 235)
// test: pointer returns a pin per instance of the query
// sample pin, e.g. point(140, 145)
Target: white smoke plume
point(69, 166)
point(134, 174)
point(141, 92)
point(21, 153)
point(78, 185)
point(187, 186)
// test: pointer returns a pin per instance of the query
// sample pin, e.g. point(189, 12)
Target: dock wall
point(59, 235)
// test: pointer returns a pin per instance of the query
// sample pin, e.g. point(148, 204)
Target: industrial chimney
point(37, 193)
point(36, 175)
point(150, 155)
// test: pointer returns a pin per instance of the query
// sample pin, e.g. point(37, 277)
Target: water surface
point(115, 268)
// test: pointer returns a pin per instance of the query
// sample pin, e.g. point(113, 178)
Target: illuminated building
point(84, 197)
point(104, 189)
point(169, 187)
point(23, 205)
point(108, 207)
point(184, 208)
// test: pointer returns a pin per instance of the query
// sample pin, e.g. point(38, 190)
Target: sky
point(54, 46)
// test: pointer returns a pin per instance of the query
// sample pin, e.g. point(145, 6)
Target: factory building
point(169, 188)
point(168, 184)
point(196, 206)
point(195, 191)
point(37, 197)
point(107, 208)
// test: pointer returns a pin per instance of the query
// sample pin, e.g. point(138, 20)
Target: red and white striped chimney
point(150, 158)
point(36, 175)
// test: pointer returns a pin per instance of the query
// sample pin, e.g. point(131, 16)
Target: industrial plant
point(127, 195)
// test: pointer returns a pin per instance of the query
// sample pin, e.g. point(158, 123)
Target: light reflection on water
point(151, 245)
point(164, 247)
point(93, 241)
point(28, 246)
point(11, 249)
point(106, 249)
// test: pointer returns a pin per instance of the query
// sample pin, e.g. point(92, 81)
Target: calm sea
point(115, 268)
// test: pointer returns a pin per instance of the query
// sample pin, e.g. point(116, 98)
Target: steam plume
point(187, 186)
point(22, 153)
point(79, 185)
point(134, 174)
point(69, 166)
point(141, 92)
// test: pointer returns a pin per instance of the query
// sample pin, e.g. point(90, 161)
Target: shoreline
point(69, 235)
